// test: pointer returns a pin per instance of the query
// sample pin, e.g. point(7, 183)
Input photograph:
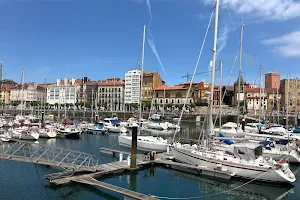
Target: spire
point(237, 81)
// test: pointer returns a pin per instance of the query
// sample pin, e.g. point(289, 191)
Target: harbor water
point(20, 180)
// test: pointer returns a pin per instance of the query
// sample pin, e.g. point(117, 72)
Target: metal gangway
point(33, 152)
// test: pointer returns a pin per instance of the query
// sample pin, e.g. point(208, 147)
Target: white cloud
point(222, 38)
point(268, 9)
point(286, 45)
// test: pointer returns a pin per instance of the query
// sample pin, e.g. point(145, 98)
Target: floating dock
point(117, 167)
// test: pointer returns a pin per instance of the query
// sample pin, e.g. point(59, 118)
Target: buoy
point(128, 160)
point(121, 157)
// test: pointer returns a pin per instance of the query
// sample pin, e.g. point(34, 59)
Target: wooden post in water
point(133, 146)
point(42, 120)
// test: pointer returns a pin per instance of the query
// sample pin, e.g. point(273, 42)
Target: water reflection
point(258, 191)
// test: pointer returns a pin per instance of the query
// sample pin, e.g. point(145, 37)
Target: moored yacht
point(69, 132)
point(24, 134)
point(145, 143)
point(47, 132)
point(245, 160)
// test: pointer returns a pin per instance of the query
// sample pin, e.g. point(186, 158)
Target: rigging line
point(235, 59)
point(232, 21)
point(137, 60)
point(215, 194)
point(197, 63)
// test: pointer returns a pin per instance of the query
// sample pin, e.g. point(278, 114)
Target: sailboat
point(144, 143)
point(241, 160)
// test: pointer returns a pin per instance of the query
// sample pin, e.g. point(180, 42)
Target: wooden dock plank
point(113, 188)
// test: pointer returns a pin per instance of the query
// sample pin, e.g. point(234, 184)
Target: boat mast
point(92, 104)
point(59, 100)
point(239, 79)
point(142, 74)
point(277, 103)
point(22, 92)
point(220, 97)
point(296, 99)
point(260, 81)
point(163, 114)
point(287, 102)
point(263, 104)
point(273, 108)
point(210, 120)
point(113, 98)
point(65, 99)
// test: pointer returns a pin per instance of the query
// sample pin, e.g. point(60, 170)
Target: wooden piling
point(134, 146)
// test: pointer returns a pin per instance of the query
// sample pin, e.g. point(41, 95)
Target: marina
point(91, 144)
point(124, 129)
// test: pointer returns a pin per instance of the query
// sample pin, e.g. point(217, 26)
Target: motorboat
point(110, 120)
point(155, 117)
point(24, 134)
point(145, 143)
point(84, 126)
point(31, 122)
point(97, 128)
point(156, 125)
point(116, 128)
point(228, 129)
point(243, 160)
point(69, 132)
point(47, 132)
point(4, 136)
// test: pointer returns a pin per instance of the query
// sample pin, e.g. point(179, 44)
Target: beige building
point(31, 92)
point(5, 94)
point(174, 96)
point(150, 80)
point(111, 94)
point(290, 93)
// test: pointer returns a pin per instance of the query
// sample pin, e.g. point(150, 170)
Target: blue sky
point(102, 38)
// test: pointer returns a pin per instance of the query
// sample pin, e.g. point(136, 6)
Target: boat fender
point(153, 154)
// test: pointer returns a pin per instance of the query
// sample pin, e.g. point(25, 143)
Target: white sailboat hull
point(247, 172)
point(31, 136)
point(47, 134)
point(5, 137)
point(143, 145)
point(157, 126)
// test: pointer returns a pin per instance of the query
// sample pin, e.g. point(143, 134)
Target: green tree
point(192, 105)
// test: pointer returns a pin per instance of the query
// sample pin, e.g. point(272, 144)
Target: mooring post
point(42, 120)
point(134, 146)
point(243, 124)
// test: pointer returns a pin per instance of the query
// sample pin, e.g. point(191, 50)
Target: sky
point(103, 38)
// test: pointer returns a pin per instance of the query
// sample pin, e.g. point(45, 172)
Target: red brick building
point(272, 80)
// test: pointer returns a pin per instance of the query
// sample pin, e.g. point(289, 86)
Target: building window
point(166, 100)
point(161, 101)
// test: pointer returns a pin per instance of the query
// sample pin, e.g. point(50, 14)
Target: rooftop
point(256, 90)
point(165, 87)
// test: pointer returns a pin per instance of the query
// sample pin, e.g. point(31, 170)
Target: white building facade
point(64, 91)
point(132, 86)
point(269, 99)
point(30, 92)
